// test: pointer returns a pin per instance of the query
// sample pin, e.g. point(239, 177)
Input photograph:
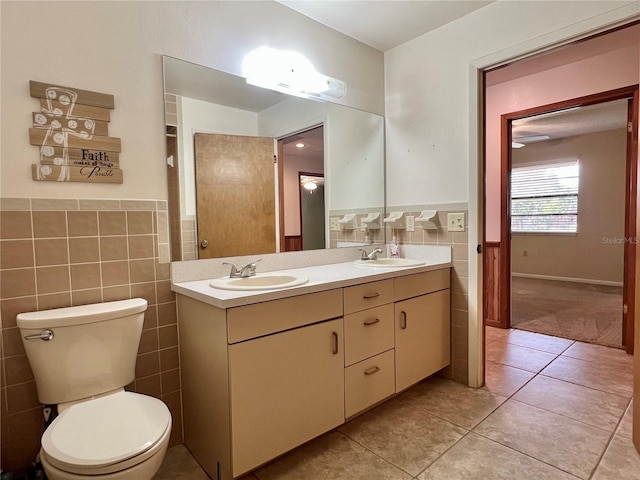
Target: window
point(544, 198)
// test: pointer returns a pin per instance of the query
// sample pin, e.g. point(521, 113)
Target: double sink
point(274, 280)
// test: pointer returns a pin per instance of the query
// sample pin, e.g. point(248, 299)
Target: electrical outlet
point(455, 222)
point(334, 223)
point(410, 226)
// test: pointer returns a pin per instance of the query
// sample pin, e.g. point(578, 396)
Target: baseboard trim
point(591, 281)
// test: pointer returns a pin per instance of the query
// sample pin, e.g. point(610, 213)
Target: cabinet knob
point(371, 321)
point(335, 342)
point(204, 243)
point(372, 370)
point(371, 295)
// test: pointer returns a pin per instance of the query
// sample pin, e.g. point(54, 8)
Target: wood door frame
point(504, 272)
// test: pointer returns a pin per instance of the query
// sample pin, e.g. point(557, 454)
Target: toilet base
point(143, 471)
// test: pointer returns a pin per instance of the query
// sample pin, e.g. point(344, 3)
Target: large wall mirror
point(255, 171)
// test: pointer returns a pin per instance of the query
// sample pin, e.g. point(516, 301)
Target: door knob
point(204, 243)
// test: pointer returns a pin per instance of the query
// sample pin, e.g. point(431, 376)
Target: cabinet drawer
point(421, 283)
point(256, 320)
point(368, 333)
point(367, 295)
point(369, 382)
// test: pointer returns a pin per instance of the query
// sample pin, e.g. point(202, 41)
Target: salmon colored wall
point(618, 67)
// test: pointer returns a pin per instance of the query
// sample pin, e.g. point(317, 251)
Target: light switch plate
point(455, 222)
point(411, 225)
point(334, 224)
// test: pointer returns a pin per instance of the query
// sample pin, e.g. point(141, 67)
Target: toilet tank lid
point(81, 314)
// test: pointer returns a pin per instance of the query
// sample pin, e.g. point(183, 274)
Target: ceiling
point(384, 24)
point(568, 123)
point(403, 21)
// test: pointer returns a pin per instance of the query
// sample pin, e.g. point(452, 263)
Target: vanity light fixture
point(289, 72)
point(300, 145)
point(517, 145)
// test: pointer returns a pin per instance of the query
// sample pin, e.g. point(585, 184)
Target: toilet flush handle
point(45, 335)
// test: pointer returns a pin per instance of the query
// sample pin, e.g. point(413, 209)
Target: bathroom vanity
point(266, 371)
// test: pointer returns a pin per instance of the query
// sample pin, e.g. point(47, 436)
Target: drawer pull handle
point(372, 370)
point(335, 342)
point(372, 321)
point(371, 295)
point(403, 320)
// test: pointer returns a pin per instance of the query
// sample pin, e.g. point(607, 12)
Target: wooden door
point(235, 195)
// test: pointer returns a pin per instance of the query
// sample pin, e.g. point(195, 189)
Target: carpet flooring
point(578, 311)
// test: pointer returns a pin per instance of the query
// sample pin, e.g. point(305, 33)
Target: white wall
point(427, 92)
point(116, 47)
point(353, 146)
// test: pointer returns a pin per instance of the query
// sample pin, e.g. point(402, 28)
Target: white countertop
point(321, 277)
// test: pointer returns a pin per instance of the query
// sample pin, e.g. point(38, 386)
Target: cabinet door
point(286, 389)
point(422, 337)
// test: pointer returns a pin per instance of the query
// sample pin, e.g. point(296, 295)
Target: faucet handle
point(249, 269)
point(234, 269)
point(363, 255)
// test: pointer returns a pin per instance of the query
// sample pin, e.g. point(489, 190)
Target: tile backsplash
point(63, 252)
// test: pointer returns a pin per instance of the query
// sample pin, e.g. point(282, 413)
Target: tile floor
point(552, 409)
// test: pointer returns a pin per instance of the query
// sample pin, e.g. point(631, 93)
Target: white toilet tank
point(93, 348)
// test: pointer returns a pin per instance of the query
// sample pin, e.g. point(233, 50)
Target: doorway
point(299, 154)
point(568, 172)
point(312, 211)
point(504, 257)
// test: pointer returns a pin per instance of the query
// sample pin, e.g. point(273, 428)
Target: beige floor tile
point(600, 409)
point(453, 401)
point(626, 425)
point(331, 456)
point(491, 334)
point(601, 376)
point(403, 435)
point(503, 379)
point(478, 458)
point(600, 354)
point(566, 444)
point(538, 341)
point(519, 357)
point(621, 461)
point(178, 464)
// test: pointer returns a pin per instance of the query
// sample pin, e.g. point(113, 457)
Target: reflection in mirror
point(254, 205)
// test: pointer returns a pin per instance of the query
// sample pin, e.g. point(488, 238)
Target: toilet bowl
point(82, 357)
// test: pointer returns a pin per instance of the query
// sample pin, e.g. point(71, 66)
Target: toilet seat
point(107, 434)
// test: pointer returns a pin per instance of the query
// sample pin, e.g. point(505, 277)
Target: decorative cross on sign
point(72, 132)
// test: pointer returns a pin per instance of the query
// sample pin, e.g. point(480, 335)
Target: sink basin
point(390, 262)
point(263, 281)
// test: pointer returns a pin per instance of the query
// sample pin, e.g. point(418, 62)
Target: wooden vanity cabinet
point(285, 390)
point(279, 384)
point(261, 379)
point(422, 326)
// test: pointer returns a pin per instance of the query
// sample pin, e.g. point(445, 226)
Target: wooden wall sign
point(72, 131)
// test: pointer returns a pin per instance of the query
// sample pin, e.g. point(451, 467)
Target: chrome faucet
point(249, 270)
point(370, 256)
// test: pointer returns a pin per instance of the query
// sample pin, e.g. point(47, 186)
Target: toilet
point(82, 357)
